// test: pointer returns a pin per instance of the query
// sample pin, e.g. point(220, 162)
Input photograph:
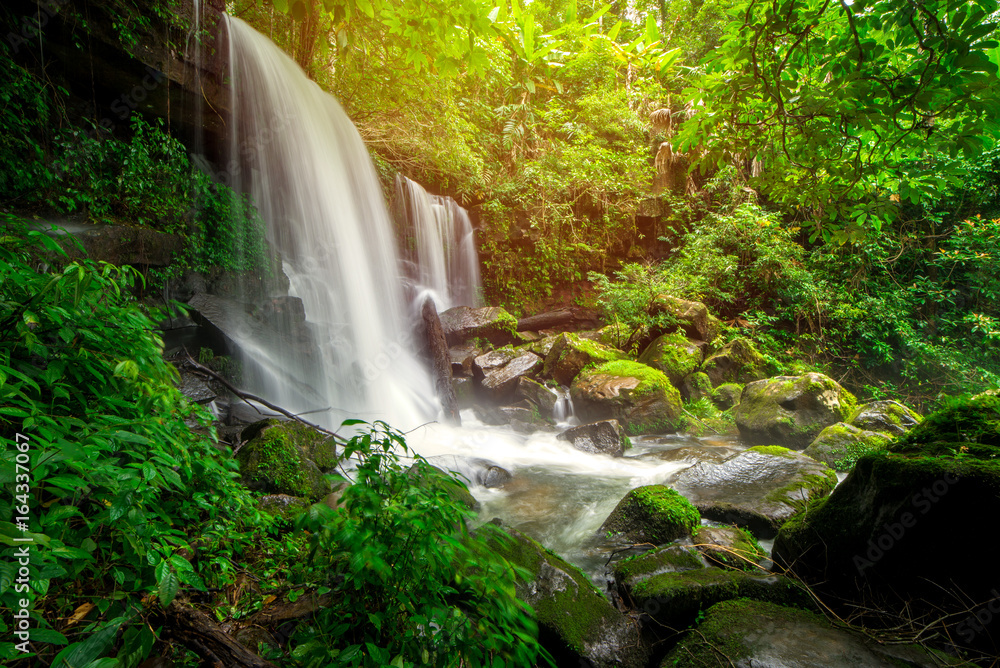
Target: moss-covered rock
point(729, 547)
point(491, 323)
point(641, 398)
point(727, 395)
point(759, 489)
point(888, 417)
point(543, 398)
point(697, 386)
point(652, 514)
point(282, 505)
point(286, 458)
point(791, 410)
point(691, 317)
point(675, 355)
point(742, 632)
point(577, 624)
point(889, 530)
point(617, 335)
point(667, 559)
point(571, 353)
point(840, 445)
point(737, 362)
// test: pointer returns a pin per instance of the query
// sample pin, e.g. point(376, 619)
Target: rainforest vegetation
point(824, 176)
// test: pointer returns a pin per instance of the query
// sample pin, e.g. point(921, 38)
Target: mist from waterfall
point(305, 165)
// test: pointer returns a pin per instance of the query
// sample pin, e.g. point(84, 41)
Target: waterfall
point(440, 246)
point(297, 153)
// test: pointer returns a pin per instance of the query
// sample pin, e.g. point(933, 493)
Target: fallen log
point(571, 317)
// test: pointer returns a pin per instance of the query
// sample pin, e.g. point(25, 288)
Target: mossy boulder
point(889, 532)
point(603, 437)
point(543, 398)
point(667, 559)
point(674, 599)
point(791, 410)
point(641, 398)
point(652, 514)
point(737, 362)
point(491, 323)
point(727, 395)
point(888, 417)
point(729, 547)
point(282, 505)
point(696, 386)
point(840, 445)
point(691, 317)
point(675, 355)
point(617, 335)
point(743, 632)
point(286, 458)
point(497, 372)
point(571, 353)
point(577, 624)
point(759, 489)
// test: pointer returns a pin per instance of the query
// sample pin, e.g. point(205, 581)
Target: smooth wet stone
point(604, 437)
point(758, 634)
point(695, 453)
point(195, 389)
point(491, 323)
point(539, 395)
point(641, 398)
point(498, 372)
point(760, 488)
point(840, 445)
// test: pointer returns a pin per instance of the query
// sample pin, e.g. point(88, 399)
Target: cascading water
point(314, 184)
point(439, 243)
point(310, 175)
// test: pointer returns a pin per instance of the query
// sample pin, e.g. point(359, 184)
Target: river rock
point(604, 437)
point(195, 389)
point(696, 386)
point(888, 417)
point(760, 488)
point(641, 398)
point(578, 625)
point(491, 323)
point(571, 353)
point(737, 362)
point(286, 458)
point(536, 393)
point(652, 514)
point(729, 547)
point(760, 634)
point(692, 317)
point(791, 410)
point(675, 355)
point(284, 506)
point(841, 444)
point(498, 371)
point(461, 357)
point(895, 527)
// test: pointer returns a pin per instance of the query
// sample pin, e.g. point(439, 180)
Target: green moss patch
point(280, 457)
point(964, 427)
point(652, 514)
point(650, 379)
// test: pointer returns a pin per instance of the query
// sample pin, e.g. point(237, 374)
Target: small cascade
point(315, 186)
point(439, 245)
point(563, 412)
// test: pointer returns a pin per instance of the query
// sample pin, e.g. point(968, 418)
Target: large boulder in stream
point(675, 355)
point(840, 445)
point(908, 530)
point(652, 514)
point(498, 371)
point(571, 353)
point(760, 488)
point(759, 634)
point(577, 624)
point(543, 398)
point(605, 437)
point(791, 410)
point(641, 398)
point(286, 458)
point(491, 323)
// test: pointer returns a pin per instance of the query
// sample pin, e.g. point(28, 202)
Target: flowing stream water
point(314, 184)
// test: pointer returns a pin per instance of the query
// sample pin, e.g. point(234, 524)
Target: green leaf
point(366, 8)
point(167, 585)
point(83, 653)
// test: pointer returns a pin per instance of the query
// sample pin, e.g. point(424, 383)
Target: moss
point(654, 513)
point(596, 351)
point(964, 427)
point(278, 458)
point(667, 559)
point(744, 554)
point(810, 485)
point(673, 355)
point(650, 379)
point(775, 450)
point(506, 321)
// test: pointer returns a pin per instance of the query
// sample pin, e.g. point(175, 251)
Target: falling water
point(439, 243)
point(310, 175)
